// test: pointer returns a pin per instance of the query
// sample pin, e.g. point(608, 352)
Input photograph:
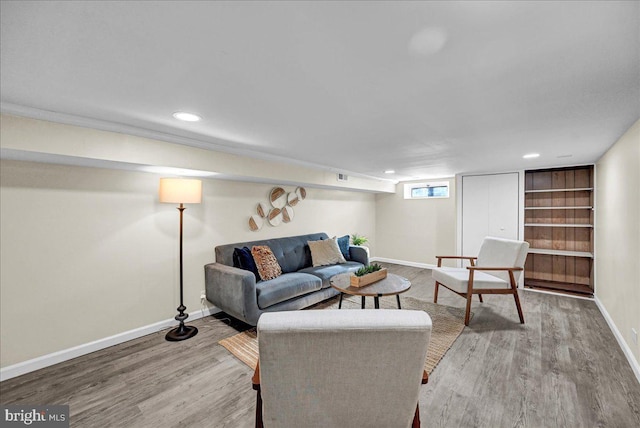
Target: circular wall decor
point(278, 197)
point(275, 217)
point(287, 214)
point(292, 199)
point(262, 209)
point(301, 192)
point(255, 222)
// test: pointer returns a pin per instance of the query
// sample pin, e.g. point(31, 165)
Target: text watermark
point(54, 416)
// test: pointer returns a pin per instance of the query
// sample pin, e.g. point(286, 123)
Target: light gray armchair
point(496, 270)
point(341, 368)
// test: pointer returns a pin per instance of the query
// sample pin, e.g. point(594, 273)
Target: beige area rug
point(448, 323)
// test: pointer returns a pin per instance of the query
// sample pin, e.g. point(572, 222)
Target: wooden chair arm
point(255, 380)
point(471, 259)
point(493, 268)
point(456, 257)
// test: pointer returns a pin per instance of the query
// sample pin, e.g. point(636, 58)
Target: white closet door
point(489, 208)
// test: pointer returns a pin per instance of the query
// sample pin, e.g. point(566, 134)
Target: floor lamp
point(181, 191)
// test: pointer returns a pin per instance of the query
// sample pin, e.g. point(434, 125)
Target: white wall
point(39, 140)
point(617, 235)
point(415, 230)
point(87, 253)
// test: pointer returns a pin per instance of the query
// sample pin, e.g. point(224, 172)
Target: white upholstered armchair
point(496, 270)
point(341, 368)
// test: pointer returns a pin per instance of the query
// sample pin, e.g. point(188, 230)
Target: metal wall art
point(281, 210)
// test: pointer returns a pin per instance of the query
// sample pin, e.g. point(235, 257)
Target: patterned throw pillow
point(325, 252)
point(267, 264)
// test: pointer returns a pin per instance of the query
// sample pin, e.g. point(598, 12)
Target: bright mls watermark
point(54, 416)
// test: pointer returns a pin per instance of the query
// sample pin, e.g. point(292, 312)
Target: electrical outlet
point(634, 335)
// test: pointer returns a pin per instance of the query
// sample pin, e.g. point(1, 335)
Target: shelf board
point(557, 225)
point(577, 189)
point(558, 208)
point(561, 252)
point(581, 289)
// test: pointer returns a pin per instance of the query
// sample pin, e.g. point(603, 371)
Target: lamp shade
point(180, 190)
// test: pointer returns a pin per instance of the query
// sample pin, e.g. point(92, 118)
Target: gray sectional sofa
point(239, 294)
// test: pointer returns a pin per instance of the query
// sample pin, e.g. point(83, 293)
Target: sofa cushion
point(285, 287)
point(267, 264)
point(292, 252)
point(325, 273)
point(343, 243)
point(325, 252)
point(243, 259)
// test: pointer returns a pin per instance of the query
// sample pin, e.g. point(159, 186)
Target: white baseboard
point(553, 293)
point(77, 351)
point(623, 344)
point(402, 262)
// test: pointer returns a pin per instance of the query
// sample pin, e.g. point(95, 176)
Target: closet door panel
point(489, 208)
point(475, 213)
point(503, 206)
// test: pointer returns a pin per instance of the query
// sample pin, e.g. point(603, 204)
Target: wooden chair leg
point(517, 299)
point(514, 288)
point(467, 314)
point(416, 418)
point(255, 382)
point(259, 411)
point(435, 292)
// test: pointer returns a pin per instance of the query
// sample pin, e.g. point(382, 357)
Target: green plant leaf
point(358, 239)
point(374, 267)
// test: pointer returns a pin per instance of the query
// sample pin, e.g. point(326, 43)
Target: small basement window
point(434, 189)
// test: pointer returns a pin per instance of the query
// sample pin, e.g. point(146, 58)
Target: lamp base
point(182, 332)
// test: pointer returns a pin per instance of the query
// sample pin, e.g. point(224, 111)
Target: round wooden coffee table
point(392, 285)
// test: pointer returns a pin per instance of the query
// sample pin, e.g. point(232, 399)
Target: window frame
point(409, 188)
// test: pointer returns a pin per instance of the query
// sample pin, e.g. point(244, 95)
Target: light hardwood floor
point(563, 368)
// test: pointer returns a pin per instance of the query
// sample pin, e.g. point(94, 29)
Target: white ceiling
point(429, 89)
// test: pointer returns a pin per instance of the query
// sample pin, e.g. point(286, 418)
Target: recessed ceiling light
point(187, 117)
point(531, 155)
point(389, 171)
point(427, 41)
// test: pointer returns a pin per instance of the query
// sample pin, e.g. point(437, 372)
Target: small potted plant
point(368, 275)
point(358, 240)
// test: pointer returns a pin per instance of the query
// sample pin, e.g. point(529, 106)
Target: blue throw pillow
point(243, 259)
point(343, 243)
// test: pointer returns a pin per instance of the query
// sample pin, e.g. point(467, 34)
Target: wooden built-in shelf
point(559, 228)
point(579, 289)
point(558, 208)
point(557, 225)
point(561, 252)
point(577, 189)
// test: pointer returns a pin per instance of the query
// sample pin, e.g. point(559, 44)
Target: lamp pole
point(181, 191)
point(181, 332)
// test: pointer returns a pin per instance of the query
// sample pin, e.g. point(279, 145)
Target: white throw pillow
point(325, 252)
